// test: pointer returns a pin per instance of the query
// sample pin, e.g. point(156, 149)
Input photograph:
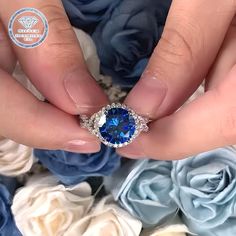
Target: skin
point(59, 72)
point(198, 43)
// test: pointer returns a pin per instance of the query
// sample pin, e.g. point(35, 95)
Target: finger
point(208, 122)
point(56, 67)
point(29, 121)
point(181, 60)
point(225, 59)
point(7, 56)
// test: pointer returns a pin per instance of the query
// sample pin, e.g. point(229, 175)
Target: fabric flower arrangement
point(195, 196)
point(44, 208)
point(125, 32)
point(174, 228)
point(72, 168)
point(15, 159)
point(106, 219)
point(7, 223)
point(142, 188)
point(127, 39)
point(86, 14)
point(205, 190)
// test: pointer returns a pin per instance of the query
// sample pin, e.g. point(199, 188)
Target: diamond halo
point(116, 125)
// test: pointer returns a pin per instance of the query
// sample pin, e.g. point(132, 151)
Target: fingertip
point(82, 146)
point(147, 96)
point(83, 91)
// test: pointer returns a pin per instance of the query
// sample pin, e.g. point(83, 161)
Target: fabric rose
point(172, 228)
point(143, 188)
point(15, 159)
point(86, 14)
point(72, 168)
point(106, 219)
point(7, 223)
point(90, 55)
point(45, 208)
point(127, 39)
point(23, 80)
point(205, 191)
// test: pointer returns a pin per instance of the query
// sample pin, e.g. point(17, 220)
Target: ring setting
point(116, 125)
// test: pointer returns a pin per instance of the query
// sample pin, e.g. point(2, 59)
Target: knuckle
point(173, 46)
point(61, 39)
point(56, 16)
point(179, 45)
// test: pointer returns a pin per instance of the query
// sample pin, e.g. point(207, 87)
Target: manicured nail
point(84, 92)
point(82, 146)
point(147, 96)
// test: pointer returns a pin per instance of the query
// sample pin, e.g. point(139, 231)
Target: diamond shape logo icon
point(28, 21)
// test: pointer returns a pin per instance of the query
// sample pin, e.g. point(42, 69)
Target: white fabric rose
point(15, 159)
point(106, 219)
point(174, 228)
point(23, 79)
point(45, 208)
point(91, 58)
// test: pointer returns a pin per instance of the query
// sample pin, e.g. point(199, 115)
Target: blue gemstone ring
point(115, 125)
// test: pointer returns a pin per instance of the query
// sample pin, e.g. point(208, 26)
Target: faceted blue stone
point(118, 126)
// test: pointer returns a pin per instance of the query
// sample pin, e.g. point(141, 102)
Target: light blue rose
point(205, 191)
point(142, 188)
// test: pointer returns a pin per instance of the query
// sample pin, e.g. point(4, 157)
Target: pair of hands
point(198, 42)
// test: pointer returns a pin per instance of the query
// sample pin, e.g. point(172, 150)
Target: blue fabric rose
point(86, 14)
point(126, 40)
point(73, 168)
point(205, 191)
point(7, 223)
point(143, 188)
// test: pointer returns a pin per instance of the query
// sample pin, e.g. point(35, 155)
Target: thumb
point(206, 123)
point(183, 56)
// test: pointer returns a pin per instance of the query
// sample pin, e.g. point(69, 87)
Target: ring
point(116, 125)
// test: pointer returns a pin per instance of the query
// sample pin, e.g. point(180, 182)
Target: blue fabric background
point(7, 224)
point(72, 168)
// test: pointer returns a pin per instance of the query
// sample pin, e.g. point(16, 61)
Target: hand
point(199, 41)
point(58, 70)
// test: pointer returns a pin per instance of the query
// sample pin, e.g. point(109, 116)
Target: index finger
point(206, 123)
point(192, 37)
point(56, 67)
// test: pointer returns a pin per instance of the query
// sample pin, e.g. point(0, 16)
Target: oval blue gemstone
point(118, 126)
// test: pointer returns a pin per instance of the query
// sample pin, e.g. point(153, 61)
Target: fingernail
point(147, 96)
point(82, 146)
point(84, 92)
